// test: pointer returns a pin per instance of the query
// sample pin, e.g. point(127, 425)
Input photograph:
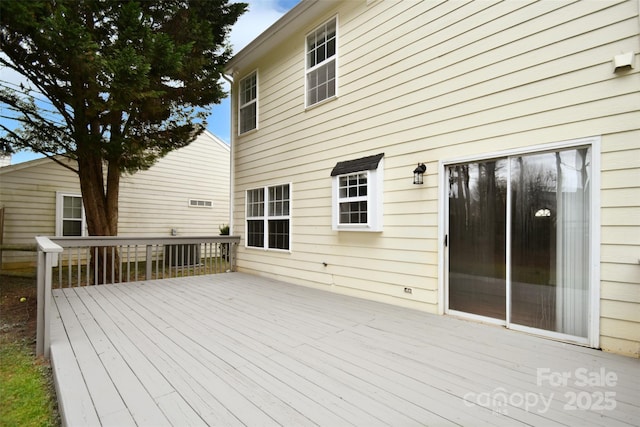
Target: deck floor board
point(237, 349)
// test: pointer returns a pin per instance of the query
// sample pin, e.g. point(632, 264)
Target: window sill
point(356, 228)
point(249, 132)
point(256, 248)
point(319, 103)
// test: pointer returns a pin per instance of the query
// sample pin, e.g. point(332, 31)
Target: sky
point(260, 16)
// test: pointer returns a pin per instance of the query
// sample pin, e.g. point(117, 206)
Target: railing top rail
point(67, 242)
point(45, 244)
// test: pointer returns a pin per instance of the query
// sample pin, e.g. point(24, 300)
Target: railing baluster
point(219, 257)
point(120, 264)
point(135, 265)
point(206, 256)
point(59, 259)
point(79, 275)
point(87, 253)
point(181, 257)
point(104, 265)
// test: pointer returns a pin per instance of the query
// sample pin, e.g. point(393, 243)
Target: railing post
point(232, 256)
point(40, 309)
point(149, 262)
point(48, 275)
point(46, 251)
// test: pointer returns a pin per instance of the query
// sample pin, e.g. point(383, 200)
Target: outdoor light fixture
point(418, 174)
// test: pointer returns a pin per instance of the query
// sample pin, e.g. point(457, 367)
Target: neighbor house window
point(357, 194)
point(248, 103)
point(70, 219)
point(321, 63)
point(268, 217)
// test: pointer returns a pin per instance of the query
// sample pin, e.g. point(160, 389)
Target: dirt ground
point(18, 304)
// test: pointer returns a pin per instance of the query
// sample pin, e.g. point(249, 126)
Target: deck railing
point(87, 261)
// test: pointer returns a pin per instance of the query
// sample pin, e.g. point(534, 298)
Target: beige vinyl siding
point(28, 195)
point(620, 249)
point(152, 202)
point(431, 81)
point(155, 201)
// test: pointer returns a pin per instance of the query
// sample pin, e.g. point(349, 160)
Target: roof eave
point(291, 22)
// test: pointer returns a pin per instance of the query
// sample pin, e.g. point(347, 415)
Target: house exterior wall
point(199, 171)
point(429, 82)
point(152, 202)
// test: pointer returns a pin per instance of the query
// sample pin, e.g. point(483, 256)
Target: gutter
point(229, 79)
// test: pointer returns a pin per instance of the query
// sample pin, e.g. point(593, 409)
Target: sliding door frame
point(593, 338)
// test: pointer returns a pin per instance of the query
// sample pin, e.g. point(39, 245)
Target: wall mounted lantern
point(418, 174)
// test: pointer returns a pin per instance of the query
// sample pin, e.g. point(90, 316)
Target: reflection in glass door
point(519, 242)
point(477, 224)
point(550, 205)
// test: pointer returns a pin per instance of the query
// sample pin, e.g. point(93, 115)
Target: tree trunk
point(101, 211)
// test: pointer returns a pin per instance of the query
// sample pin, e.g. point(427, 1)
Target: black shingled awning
point(357, 165)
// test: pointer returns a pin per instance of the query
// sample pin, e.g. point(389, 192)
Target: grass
point(25, 388)
point(26, 385)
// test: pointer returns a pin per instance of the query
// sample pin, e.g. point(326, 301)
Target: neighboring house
point(185, 193)
point(527, 118)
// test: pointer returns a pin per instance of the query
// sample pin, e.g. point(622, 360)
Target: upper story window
point(70, 219)
point(248, 103)
point(268, 217)
point(357, 194)
point(321, 63)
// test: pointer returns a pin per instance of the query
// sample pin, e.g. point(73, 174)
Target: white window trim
point(308, 106)
point(375, 190)
point(593, 339)
point(266, 217)
point(59, 212)
point(240, 105)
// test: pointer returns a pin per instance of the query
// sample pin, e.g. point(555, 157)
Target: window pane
point(279, 200)
point(255, 233)
point(550, 240)
point(255, 203)
point(71, 228)
point(322, 82)
point(331, 48)
point(248, 118)
point(279, 234)
point(477, 238)
point(248, 89)
point(353, 212)
point(331, 88)
point(354, 185)
point(72, 207)
point(331, 29)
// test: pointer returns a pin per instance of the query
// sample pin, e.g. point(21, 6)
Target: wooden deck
point(235, 349)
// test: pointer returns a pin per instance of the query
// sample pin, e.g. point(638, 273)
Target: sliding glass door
point(518, 240)
point(477, 232)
